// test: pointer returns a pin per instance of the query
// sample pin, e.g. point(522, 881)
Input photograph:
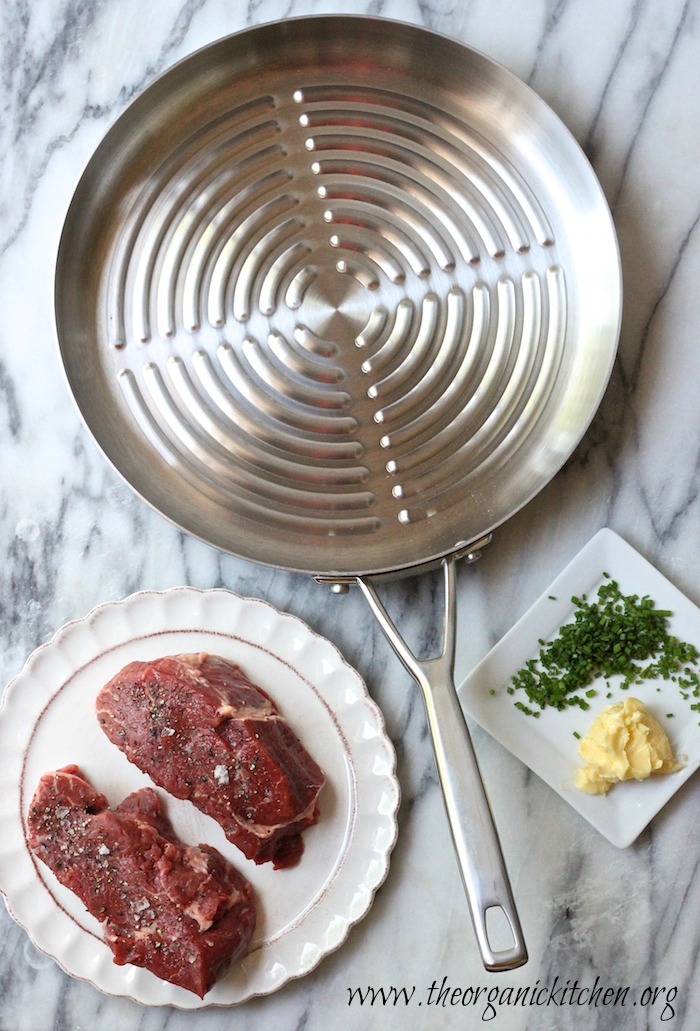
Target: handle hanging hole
point(499, 930)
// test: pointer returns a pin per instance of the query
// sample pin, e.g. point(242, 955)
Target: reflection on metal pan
point(339, 295)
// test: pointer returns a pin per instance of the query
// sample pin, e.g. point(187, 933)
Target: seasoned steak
point(182, 912)
point(202, 731)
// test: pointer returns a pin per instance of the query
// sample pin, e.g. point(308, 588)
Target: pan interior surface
point(338, 294)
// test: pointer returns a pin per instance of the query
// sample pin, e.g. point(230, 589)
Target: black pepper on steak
point(183, 912)
point(203, 731)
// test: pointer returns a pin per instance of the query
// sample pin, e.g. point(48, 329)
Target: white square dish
point(547, 744)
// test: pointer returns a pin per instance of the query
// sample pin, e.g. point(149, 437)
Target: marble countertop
point(624, 78)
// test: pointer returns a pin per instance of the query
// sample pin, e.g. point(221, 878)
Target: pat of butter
point(625, 742)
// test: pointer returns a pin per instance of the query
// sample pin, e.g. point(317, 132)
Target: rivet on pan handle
point(473, 831)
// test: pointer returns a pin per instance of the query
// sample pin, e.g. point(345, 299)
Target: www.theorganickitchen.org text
point(487, 1001)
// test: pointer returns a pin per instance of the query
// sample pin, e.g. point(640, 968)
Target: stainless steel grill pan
point(341, 295)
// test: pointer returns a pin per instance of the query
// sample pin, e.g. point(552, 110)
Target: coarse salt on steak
point(202, 731)
point(183, 912)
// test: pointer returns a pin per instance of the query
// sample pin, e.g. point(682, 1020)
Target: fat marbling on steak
point(183, 912)
point(202, 731)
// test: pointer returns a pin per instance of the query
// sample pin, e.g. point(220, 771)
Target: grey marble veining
point(625, 79)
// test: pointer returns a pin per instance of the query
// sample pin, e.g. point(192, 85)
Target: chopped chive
point(612, 635)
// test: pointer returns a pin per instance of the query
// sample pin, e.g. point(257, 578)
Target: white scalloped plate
point(47, 721)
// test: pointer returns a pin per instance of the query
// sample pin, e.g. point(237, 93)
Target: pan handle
point(471, 822)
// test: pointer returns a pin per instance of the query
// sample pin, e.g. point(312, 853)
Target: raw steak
point(202, 731)
point(182, 912)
